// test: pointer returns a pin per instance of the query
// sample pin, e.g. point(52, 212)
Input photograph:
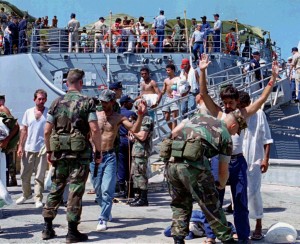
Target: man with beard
point(238, 164)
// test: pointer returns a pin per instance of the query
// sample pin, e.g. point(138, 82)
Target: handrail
point(40, 39)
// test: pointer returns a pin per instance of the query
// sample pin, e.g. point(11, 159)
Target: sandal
point(209, 241)
point(257, 236)
point(91, 192)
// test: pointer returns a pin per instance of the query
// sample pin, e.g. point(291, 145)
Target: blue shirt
point(123, 132)
point(160, 22)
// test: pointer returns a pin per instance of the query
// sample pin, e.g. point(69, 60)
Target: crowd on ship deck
point(132, 35)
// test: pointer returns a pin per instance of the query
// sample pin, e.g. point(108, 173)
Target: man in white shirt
point(217, 33)
point(73, 26)
point(100, 29)
point(29, 149)
point(256, 149)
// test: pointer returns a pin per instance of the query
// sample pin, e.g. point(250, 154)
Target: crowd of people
point(119, 136)
point(123, 35)
point(15, 31)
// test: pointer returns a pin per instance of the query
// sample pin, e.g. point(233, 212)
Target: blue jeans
point(161, 36)
point(190, 104)
point(105, 183)
point(198, 46)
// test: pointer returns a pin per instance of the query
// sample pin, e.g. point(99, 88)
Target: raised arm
point(142, 108)
point(252, 108)
point(209, 103)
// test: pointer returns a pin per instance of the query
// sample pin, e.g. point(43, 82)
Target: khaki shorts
point(171, 107)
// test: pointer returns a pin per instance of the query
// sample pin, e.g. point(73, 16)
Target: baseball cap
point(203, 17)
point(107, 95)
point(125, 99)
point(183, 62)
point(216, 15)
point(256, 53)
point(240, 120)
point(116, 85)
point(294, 49)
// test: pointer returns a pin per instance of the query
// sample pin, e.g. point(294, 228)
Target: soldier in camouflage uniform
point(192, 179)
point(70, 120)
point(141, 151)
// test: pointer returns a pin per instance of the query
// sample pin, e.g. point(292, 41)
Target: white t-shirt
point(35, 132)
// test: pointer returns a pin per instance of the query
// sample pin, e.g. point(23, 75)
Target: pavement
point(24, 223)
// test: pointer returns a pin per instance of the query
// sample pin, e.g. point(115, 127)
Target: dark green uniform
point(192, 179)
point(70, 115)
point(141, 151)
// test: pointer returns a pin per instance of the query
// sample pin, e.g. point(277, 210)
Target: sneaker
point(38, 204)
point(23, 199)
point(102, 225)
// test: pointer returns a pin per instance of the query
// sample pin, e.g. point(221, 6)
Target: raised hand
point(203, 62)
point(142, 107)
point(275, 68)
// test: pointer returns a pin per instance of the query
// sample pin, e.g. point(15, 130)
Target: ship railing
point(254, 88)
point(57, 40)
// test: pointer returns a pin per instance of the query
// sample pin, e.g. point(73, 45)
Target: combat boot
point(137, 195)
point(143, 201)
point(74, 235)
point(178, 239)
point(13, 181)
point(48, 232)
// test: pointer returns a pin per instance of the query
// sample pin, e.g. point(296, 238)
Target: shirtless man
point(149, 89)
point(238, 164)
point(169, 87)
point(105, 180)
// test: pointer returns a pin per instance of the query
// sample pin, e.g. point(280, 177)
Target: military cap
point(116, 85)
point(2, 96)
point(107, 95)
point(294, 49)
point(125, 99)
point(240, 120)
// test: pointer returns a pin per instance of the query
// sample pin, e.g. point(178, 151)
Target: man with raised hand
point(238, 164)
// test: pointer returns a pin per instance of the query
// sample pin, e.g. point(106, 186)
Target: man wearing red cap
point(190, 75)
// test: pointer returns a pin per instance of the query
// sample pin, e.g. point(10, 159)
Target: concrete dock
point(24, 223)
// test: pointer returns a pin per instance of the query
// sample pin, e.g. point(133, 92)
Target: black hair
point(229, 92)
point(170, 66)
point(145, 69)
point(244, 98)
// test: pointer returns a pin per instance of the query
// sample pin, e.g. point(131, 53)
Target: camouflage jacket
point(71, 112)
point(144, 148)
point(213, 134)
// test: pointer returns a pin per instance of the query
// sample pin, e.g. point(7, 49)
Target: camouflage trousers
point(74, 171)
point(187, 183)
point(139, 173)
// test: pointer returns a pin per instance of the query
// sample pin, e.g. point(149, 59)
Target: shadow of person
point(24, 232)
